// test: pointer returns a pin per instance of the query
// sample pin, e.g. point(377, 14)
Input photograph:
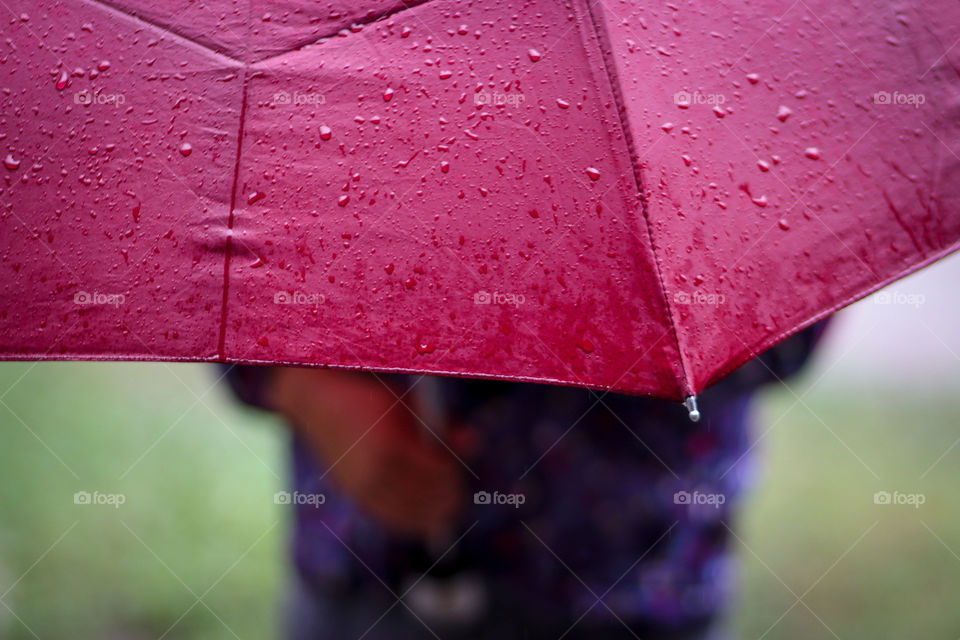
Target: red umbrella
point(609, 194)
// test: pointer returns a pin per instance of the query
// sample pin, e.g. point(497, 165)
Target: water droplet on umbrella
point(784, 224)
point(63, 81)
point(387, 94)
point(255, 196)
point(585, 345)
point(563, 104)
point(753, 78)
point(426, 347)
point(186, 149)
point(783, 113)
point(593, 173)
point(812, 152)
point(343, 200)
point(11, 163)
point(325, 132)
point(445, 166)
point(764, 165)
point(389, 269)
point(534, 55)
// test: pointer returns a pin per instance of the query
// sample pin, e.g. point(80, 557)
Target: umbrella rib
point(609, 70)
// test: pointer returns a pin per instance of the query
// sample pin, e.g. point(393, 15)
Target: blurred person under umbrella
point(562, 512)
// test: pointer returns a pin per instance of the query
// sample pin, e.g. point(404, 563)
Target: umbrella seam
point(406, 6)
point(107, 6)
point(221, 342)
point(604, 46)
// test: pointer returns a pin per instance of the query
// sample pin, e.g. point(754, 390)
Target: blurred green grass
point(198, 521)
point(199, 518)
point(811, 529)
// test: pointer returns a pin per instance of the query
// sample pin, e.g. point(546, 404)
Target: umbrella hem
point(451, 374)
point(216, 359)
point(770, 342)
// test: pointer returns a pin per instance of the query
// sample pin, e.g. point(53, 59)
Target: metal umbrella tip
point(691, 404)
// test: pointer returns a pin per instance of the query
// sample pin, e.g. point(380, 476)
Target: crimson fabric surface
point(623, 195)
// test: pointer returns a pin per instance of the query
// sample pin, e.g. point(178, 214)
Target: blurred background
point(196, 550)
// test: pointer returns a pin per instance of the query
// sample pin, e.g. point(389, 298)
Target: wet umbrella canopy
point(625, 195)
